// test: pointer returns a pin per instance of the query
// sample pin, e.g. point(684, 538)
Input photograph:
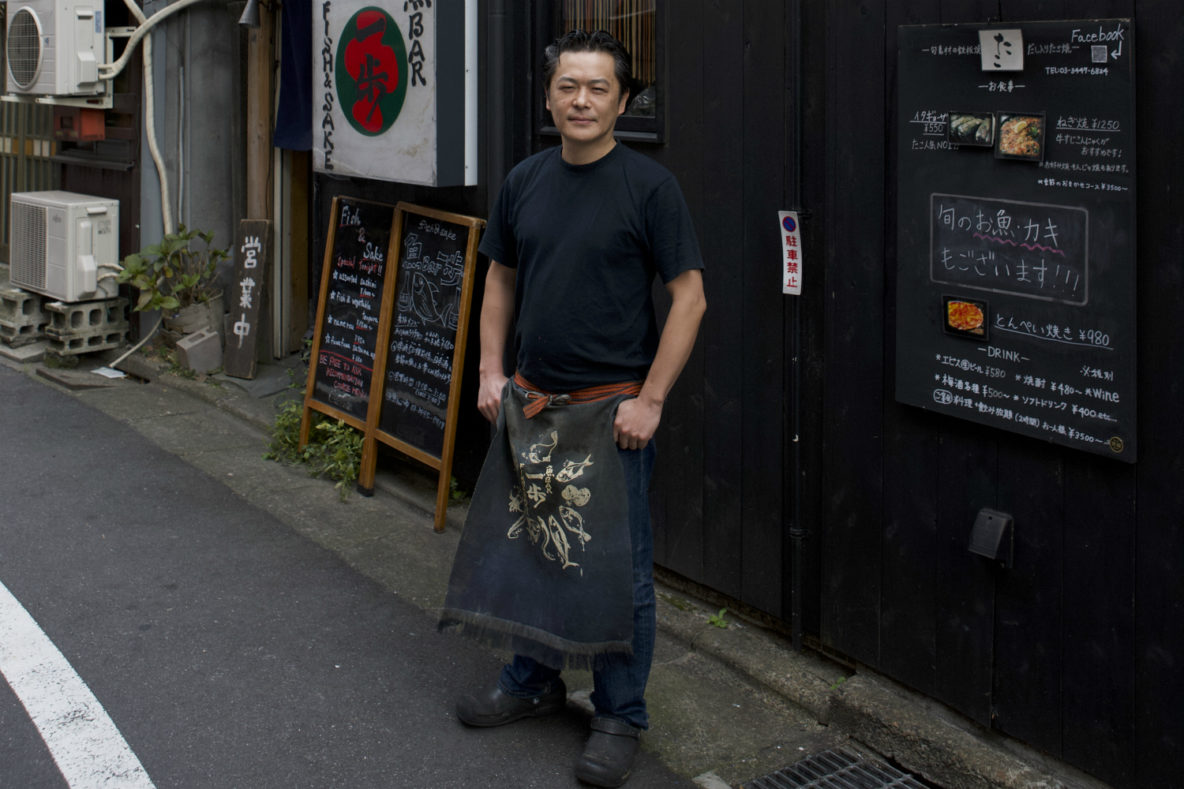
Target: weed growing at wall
point(334, 449)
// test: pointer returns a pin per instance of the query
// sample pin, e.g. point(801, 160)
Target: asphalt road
point(228, 650)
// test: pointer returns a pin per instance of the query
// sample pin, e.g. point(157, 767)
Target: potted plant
point(178, 276)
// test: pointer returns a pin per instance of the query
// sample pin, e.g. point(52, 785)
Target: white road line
point(88, 749)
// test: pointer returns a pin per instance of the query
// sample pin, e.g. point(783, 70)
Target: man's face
point(585, 99)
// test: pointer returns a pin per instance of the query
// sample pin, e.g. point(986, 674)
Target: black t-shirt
point(586, 241)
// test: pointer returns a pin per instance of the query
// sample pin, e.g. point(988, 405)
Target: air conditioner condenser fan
point(24, 47)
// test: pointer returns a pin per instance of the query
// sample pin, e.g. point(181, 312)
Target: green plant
point(718, 619)
point(334, 449)
point(181, 372)
point(176, 273)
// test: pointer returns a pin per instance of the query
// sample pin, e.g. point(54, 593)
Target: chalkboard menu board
point(1016, 229)
point(389, 339)
point(415, 401)
point(345, 337)
point(431, 287)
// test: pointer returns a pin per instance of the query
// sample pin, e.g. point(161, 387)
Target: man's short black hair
point(582, 41)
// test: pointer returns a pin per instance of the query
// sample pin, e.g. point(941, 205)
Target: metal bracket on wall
point(993, 536)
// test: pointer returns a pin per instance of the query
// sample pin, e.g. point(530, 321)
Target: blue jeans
point(619, 680)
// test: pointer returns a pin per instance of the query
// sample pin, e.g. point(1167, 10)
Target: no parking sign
point(791, 253)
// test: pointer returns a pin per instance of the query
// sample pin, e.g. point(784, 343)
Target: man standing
point(556, 561)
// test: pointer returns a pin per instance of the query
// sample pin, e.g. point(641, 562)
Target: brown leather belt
point(537, 399)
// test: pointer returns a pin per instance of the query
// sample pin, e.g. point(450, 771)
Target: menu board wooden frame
point(451, 308)
point(366, 267)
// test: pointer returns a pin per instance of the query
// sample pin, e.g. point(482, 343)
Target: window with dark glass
point(637, 25)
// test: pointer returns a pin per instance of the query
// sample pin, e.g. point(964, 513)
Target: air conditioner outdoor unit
point(54, 47)
point(64, 245)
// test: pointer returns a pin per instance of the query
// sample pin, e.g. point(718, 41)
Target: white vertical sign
point(374, 106)
point(1001, 50)
point(791, 253)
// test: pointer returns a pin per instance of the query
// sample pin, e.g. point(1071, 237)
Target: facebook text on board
point(1077, 36)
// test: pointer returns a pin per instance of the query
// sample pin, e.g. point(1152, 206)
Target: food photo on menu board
point(965, 317)
point(972, 128)
point(1021, 136)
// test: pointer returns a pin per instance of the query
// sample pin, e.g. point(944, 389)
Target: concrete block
point(87, 326)
point(83, 316)
point(16, 336)
point(200, 351)
point(85, 343)
point(21, 318)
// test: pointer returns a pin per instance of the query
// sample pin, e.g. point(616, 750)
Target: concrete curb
point(259, 413)
point(941, 745)
point(919, 734)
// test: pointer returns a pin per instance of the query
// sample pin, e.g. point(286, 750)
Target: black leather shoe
point(494, 708)
point(608, 756)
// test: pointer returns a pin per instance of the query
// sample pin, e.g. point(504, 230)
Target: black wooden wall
point(1075, 650)
point(720, 501)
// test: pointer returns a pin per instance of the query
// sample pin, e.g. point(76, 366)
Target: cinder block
point(21, 318)
point(87, 326)
point(16, 336)
point(19, 306)
point(200, 351)
point(90, 343)
point(85, 316)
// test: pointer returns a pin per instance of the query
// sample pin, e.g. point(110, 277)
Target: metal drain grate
point(837, 769)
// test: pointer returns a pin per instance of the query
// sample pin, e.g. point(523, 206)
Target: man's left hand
point(636, 422)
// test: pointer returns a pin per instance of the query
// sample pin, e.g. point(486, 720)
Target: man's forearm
point(637, 419)
point(678, 337)
point(497, 312)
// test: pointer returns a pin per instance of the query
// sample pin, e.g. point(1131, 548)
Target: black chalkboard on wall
point(1015, 270)
point(414, 400)
point(349, 311)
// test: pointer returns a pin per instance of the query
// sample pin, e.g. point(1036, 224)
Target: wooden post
point(260, 62)
point(259, 72)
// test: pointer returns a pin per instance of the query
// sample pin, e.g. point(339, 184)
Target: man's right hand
point(489, 396)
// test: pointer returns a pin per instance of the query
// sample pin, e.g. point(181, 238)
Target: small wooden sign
point(415, 401)
point(246, 297)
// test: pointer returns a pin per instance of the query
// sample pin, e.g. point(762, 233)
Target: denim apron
point(544, 564)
